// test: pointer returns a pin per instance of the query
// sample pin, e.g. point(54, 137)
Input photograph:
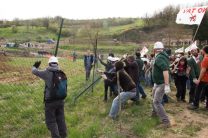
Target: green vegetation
point(22, 113)
point(120, 49)
point(24, 34)
point(116, 30)
point(21, 93)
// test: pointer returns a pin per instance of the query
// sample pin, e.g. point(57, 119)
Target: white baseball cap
point(53, 59)
point(110, 58)
point(113, 58)
point(158, 45)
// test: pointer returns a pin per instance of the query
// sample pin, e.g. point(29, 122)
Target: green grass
point(192, 129)
point(22, 109)
point(24, 34)
point(121, 49)
point(116, 30)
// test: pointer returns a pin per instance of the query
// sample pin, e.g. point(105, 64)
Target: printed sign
point(191, 16)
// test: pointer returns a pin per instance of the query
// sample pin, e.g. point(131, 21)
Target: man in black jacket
point(132, 68)
point(126, 84)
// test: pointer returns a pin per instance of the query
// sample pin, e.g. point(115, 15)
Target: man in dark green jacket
point(161, 83)
point(194, 73)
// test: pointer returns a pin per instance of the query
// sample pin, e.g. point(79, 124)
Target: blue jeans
point(125, 96)
point(139, 90)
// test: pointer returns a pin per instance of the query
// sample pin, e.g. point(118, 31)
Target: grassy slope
point(26, 34)
point(22, 115)
point(115, 30)
point(121, 49)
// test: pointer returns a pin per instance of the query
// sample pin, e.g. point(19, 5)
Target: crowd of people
point(158, 70)
point(123, 76)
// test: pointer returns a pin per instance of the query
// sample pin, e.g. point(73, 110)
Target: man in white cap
point(161, 83)
point(194, 71)
point(54, 109)
point(109, 67)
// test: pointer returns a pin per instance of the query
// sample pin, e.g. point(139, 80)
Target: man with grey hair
point(161, 83)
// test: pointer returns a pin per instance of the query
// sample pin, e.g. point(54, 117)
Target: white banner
point(192, 46)
point(180, 50)
point(191, 16)
point(143, 51)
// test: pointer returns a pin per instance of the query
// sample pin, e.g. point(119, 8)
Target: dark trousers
point(112, 89)
point(87, 71)
point(198, 93)
point(204, 94)
point(192, 91)
point(55, 120)
point(180, 82)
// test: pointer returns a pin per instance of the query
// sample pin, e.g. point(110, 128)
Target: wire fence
point(21, 92)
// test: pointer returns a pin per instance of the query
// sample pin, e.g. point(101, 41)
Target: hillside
point(75, 29)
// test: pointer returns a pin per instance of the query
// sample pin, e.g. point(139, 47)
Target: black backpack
point(58, 90)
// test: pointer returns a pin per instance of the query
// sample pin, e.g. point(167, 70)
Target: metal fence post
point(59, 35)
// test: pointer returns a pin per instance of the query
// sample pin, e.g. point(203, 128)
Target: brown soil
point(185, 122)
point(14, 75)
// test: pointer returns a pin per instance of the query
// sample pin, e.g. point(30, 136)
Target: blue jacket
point(90, 62)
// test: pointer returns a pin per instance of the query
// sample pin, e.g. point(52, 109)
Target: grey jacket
point(46, 75)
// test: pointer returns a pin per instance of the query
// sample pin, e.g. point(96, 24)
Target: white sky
point(85, 9)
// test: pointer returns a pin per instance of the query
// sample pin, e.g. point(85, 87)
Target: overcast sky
point(85, 9)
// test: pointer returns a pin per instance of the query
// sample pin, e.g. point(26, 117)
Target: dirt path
point(185, 122)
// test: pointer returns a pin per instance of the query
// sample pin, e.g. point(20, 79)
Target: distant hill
point(47, 28)
point(159, 27)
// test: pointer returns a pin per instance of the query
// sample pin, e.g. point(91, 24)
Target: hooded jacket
point(46, 75)
point(161, 64)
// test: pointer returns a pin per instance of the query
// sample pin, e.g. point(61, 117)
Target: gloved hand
point(167, 89)
point(104, 76)
point(37, 64)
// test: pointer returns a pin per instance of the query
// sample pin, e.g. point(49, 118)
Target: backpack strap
point(44, 98)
